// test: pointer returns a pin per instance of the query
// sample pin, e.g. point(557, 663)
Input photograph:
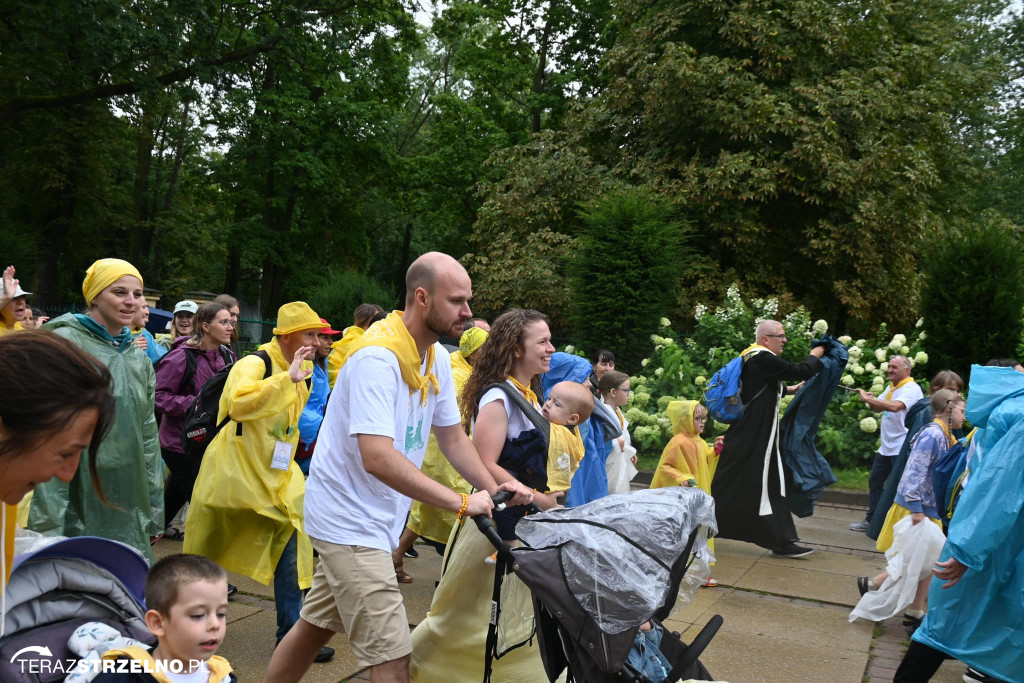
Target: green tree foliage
point(815, 145)
point(630, 249)
point(335, 296)
point(973, 297)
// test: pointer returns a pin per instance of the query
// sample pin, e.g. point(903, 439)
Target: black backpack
point(201, 417)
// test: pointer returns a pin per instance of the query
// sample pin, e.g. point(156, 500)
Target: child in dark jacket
point(187, 597)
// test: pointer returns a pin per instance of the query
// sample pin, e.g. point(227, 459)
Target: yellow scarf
point(754, 347)
point(392, 334)
point(945, 430)
point(618, 414)
point(893, 388)
point(525, 391)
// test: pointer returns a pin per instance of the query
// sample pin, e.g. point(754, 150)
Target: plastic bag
point(915, 549)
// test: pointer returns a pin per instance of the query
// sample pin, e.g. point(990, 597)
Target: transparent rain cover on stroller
point(617, 552)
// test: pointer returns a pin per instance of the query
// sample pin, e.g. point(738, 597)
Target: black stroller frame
point(568, 637)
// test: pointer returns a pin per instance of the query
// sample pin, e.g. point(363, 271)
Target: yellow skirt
point(896, 513)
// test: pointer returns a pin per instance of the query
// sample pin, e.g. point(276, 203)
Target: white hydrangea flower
point(644, 362)
point(876, 389)
point(920, 321)
point(569, 348)
point(634, 415)
point(733, 293)
point(870, 367)
point(862, 343)
point(638, 380)
point(855, 352)
point(658, 372)
point(921, 337)
point(895, 344)
point(654, 338)
point(664, 422)
point(858, 370)
point(881, 355)
point(819, 327)
point(700, 380)
point(901, 337)
point(884, 366)
point(904, 350)
point(869, 425)
point(664, 322)
point(700, 311)
point(845, 340)
point(846, 380)
point(921, 357)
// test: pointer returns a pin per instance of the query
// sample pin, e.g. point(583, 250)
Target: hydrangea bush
point(679, 368)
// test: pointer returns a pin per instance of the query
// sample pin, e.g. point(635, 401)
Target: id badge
point(282, 455)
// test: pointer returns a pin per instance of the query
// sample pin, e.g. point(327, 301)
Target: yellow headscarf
point(471, 340)
point(392, 334)
point(295, 317)
point(102, 274)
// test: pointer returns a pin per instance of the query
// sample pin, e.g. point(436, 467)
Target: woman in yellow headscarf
point(363, 317)
point(687, 459)
point(128, 460)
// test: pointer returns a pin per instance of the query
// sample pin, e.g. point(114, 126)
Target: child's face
point(197, 623)
point(556, 409)
point(700, 418)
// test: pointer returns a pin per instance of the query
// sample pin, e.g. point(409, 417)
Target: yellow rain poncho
point(243, 511)
point(425, 520)
point(340, 351)
point(686, 456)
point(564, 455)
point(5, 328)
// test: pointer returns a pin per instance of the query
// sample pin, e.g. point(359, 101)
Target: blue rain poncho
point(591, 479)
point(799, 429)
point(980, 620)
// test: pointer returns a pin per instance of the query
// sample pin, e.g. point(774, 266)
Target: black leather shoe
point(325, 654)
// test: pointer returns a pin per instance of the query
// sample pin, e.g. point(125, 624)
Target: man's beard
point(444, 328)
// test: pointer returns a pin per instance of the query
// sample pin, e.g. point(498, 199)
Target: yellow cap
point(104, 273)
point(471, 340)
point(295, 317)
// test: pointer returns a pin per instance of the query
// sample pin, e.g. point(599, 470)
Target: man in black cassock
point(750, 482)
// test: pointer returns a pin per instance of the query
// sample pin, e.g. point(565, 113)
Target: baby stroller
point(594, 574)
point(54, 590)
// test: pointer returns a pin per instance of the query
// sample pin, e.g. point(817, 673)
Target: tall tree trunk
point(540, 75)
point(403, 264)
point(138, 239)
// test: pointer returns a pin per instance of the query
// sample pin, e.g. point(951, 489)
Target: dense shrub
point(341, 291)
point(973, 297)
point(627, 267)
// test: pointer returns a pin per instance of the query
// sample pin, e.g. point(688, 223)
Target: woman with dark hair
point(603, 360)
point(234, 310)
point(179, 377)
point(56, 402)
point(450, 643)
point(128, 460)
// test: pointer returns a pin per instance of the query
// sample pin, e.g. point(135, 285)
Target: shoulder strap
point(184, 388)
point(266, 362)
point(531, 413)
point(225, 353)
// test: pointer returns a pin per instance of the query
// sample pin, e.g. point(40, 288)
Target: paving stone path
point(785, 619)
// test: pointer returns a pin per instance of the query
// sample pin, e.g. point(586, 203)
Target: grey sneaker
point(860, 526)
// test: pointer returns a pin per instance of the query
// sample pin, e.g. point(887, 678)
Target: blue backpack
point(723, 394)
point(948, 468)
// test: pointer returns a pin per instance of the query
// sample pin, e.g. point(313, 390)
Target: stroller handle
point(487, 528)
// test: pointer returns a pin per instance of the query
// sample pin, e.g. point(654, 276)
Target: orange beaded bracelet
point(465, 504)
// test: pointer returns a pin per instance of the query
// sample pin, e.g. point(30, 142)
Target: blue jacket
point(799, 429)
point(313, 413)
point(980, 620)
point(154, 350)
point(565, 367)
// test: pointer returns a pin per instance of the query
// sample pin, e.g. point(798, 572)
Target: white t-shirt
point(893, 430)
point(345, 504)
point(517, 420)
point(200, 675)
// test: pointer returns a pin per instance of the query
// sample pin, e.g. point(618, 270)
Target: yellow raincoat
point(5, 328)
point(340, 351)
point(564, 455)
point(686, 456)
point(243, 512)
point(425, 520)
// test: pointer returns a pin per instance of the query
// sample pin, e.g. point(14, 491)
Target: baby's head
point(187, 601)
point(568, 404)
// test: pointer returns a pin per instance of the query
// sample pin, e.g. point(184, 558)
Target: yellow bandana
point(525, 391)
point(754, 347)
point(564, 455)
point(889, 393)
point(103, 273)
point(392, 334)
point(618, 414)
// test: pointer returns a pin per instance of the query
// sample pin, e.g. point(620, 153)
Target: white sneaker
point(860, 526)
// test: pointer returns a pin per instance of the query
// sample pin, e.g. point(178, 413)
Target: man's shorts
point(355, 590)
